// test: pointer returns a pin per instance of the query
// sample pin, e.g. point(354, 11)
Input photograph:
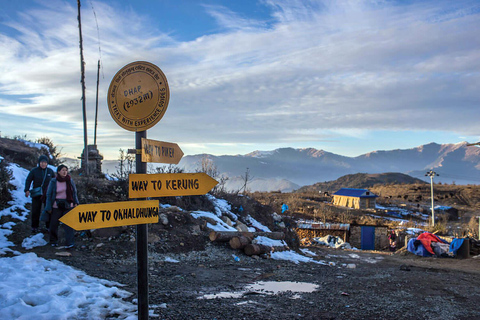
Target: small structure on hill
point(354, 198)
point(369, 237)
point(94, 160)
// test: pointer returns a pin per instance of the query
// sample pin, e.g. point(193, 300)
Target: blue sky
point(347, 77)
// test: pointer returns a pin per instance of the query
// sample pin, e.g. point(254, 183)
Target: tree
point(208, 166)
point(51, 151)
point(246, 179)
point(5, 186)
point(125, 165)
point(171, 168)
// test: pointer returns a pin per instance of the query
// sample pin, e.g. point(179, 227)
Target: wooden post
point(82, 68)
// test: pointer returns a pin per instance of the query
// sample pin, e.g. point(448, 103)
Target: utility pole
point(432, 174)
point(96, 107)
point(82, 68)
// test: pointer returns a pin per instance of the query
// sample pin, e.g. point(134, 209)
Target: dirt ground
point(184, 278)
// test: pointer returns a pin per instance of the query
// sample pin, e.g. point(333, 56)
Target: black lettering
point(82, 216)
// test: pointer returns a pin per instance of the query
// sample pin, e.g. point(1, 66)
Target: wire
point(98, 37)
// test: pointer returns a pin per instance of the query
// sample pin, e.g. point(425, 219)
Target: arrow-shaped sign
point(112, 214)
point(161, 152)
point(169, 184)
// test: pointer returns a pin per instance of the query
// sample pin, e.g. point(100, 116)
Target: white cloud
point(312, 66)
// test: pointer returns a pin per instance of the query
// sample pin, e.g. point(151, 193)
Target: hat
point(43, 158)
point(60, 167)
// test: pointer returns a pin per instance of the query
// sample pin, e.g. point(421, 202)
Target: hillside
point(361, 181)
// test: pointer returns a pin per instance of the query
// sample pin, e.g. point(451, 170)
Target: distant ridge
point(361, 181)
point(455, 163)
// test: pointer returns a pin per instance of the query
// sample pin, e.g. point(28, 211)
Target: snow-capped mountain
point(457, 163)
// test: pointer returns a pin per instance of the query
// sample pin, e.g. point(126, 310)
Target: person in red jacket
point(61, 198)
point(393, 240)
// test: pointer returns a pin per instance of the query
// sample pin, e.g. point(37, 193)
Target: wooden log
point(239, 242)
point(224, 236)
point(256, 249)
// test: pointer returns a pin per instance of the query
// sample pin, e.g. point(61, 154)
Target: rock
point(63, 254)
point(163, 219)
point(108, 232)
point(196, 230)
point(153, 238)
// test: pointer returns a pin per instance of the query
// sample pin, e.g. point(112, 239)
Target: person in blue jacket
point(40, 176)
point(61, 197)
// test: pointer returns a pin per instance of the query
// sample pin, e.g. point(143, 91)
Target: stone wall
point(381, 237)
point(314, 233)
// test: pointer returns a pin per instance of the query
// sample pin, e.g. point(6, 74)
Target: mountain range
point(287, 169)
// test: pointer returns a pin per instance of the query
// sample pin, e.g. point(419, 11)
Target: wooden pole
point(96, 107)
point(82, 68)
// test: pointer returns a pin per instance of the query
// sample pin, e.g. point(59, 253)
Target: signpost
point(112, 214)
point(137, 99)
point(161, 152)
point(169, 184)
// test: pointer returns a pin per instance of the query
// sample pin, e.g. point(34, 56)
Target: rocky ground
point(191, 278)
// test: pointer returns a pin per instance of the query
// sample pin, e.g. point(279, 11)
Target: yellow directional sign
point(160, 151)
point(169, 184)
point(112, 214)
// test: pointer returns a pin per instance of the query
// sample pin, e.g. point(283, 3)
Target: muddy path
point(348, 284)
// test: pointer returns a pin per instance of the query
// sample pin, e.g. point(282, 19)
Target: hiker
point(393, 240)
point(284, 208)
point(61, 197)
point(40, 176)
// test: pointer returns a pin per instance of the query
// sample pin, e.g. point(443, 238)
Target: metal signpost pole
point(142, 235)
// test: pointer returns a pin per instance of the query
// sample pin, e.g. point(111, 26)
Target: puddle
point(266, 287)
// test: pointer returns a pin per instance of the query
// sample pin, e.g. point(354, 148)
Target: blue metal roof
point(357, 193)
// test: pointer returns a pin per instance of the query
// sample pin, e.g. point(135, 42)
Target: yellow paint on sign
point(161, 152)
point(112, 214)
point(138, 96)
point(169, 184)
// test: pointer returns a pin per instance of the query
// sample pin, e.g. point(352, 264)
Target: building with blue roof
point(354, 198)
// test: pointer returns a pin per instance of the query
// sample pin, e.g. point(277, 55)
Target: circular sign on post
point(138, 96)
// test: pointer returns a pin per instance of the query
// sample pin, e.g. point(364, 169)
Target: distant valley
point(288, 169)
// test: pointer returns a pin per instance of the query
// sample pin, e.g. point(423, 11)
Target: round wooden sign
point(138, 96)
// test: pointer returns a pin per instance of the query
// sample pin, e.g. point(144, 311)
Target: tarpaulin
point(427, 238)
point(455, 245)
